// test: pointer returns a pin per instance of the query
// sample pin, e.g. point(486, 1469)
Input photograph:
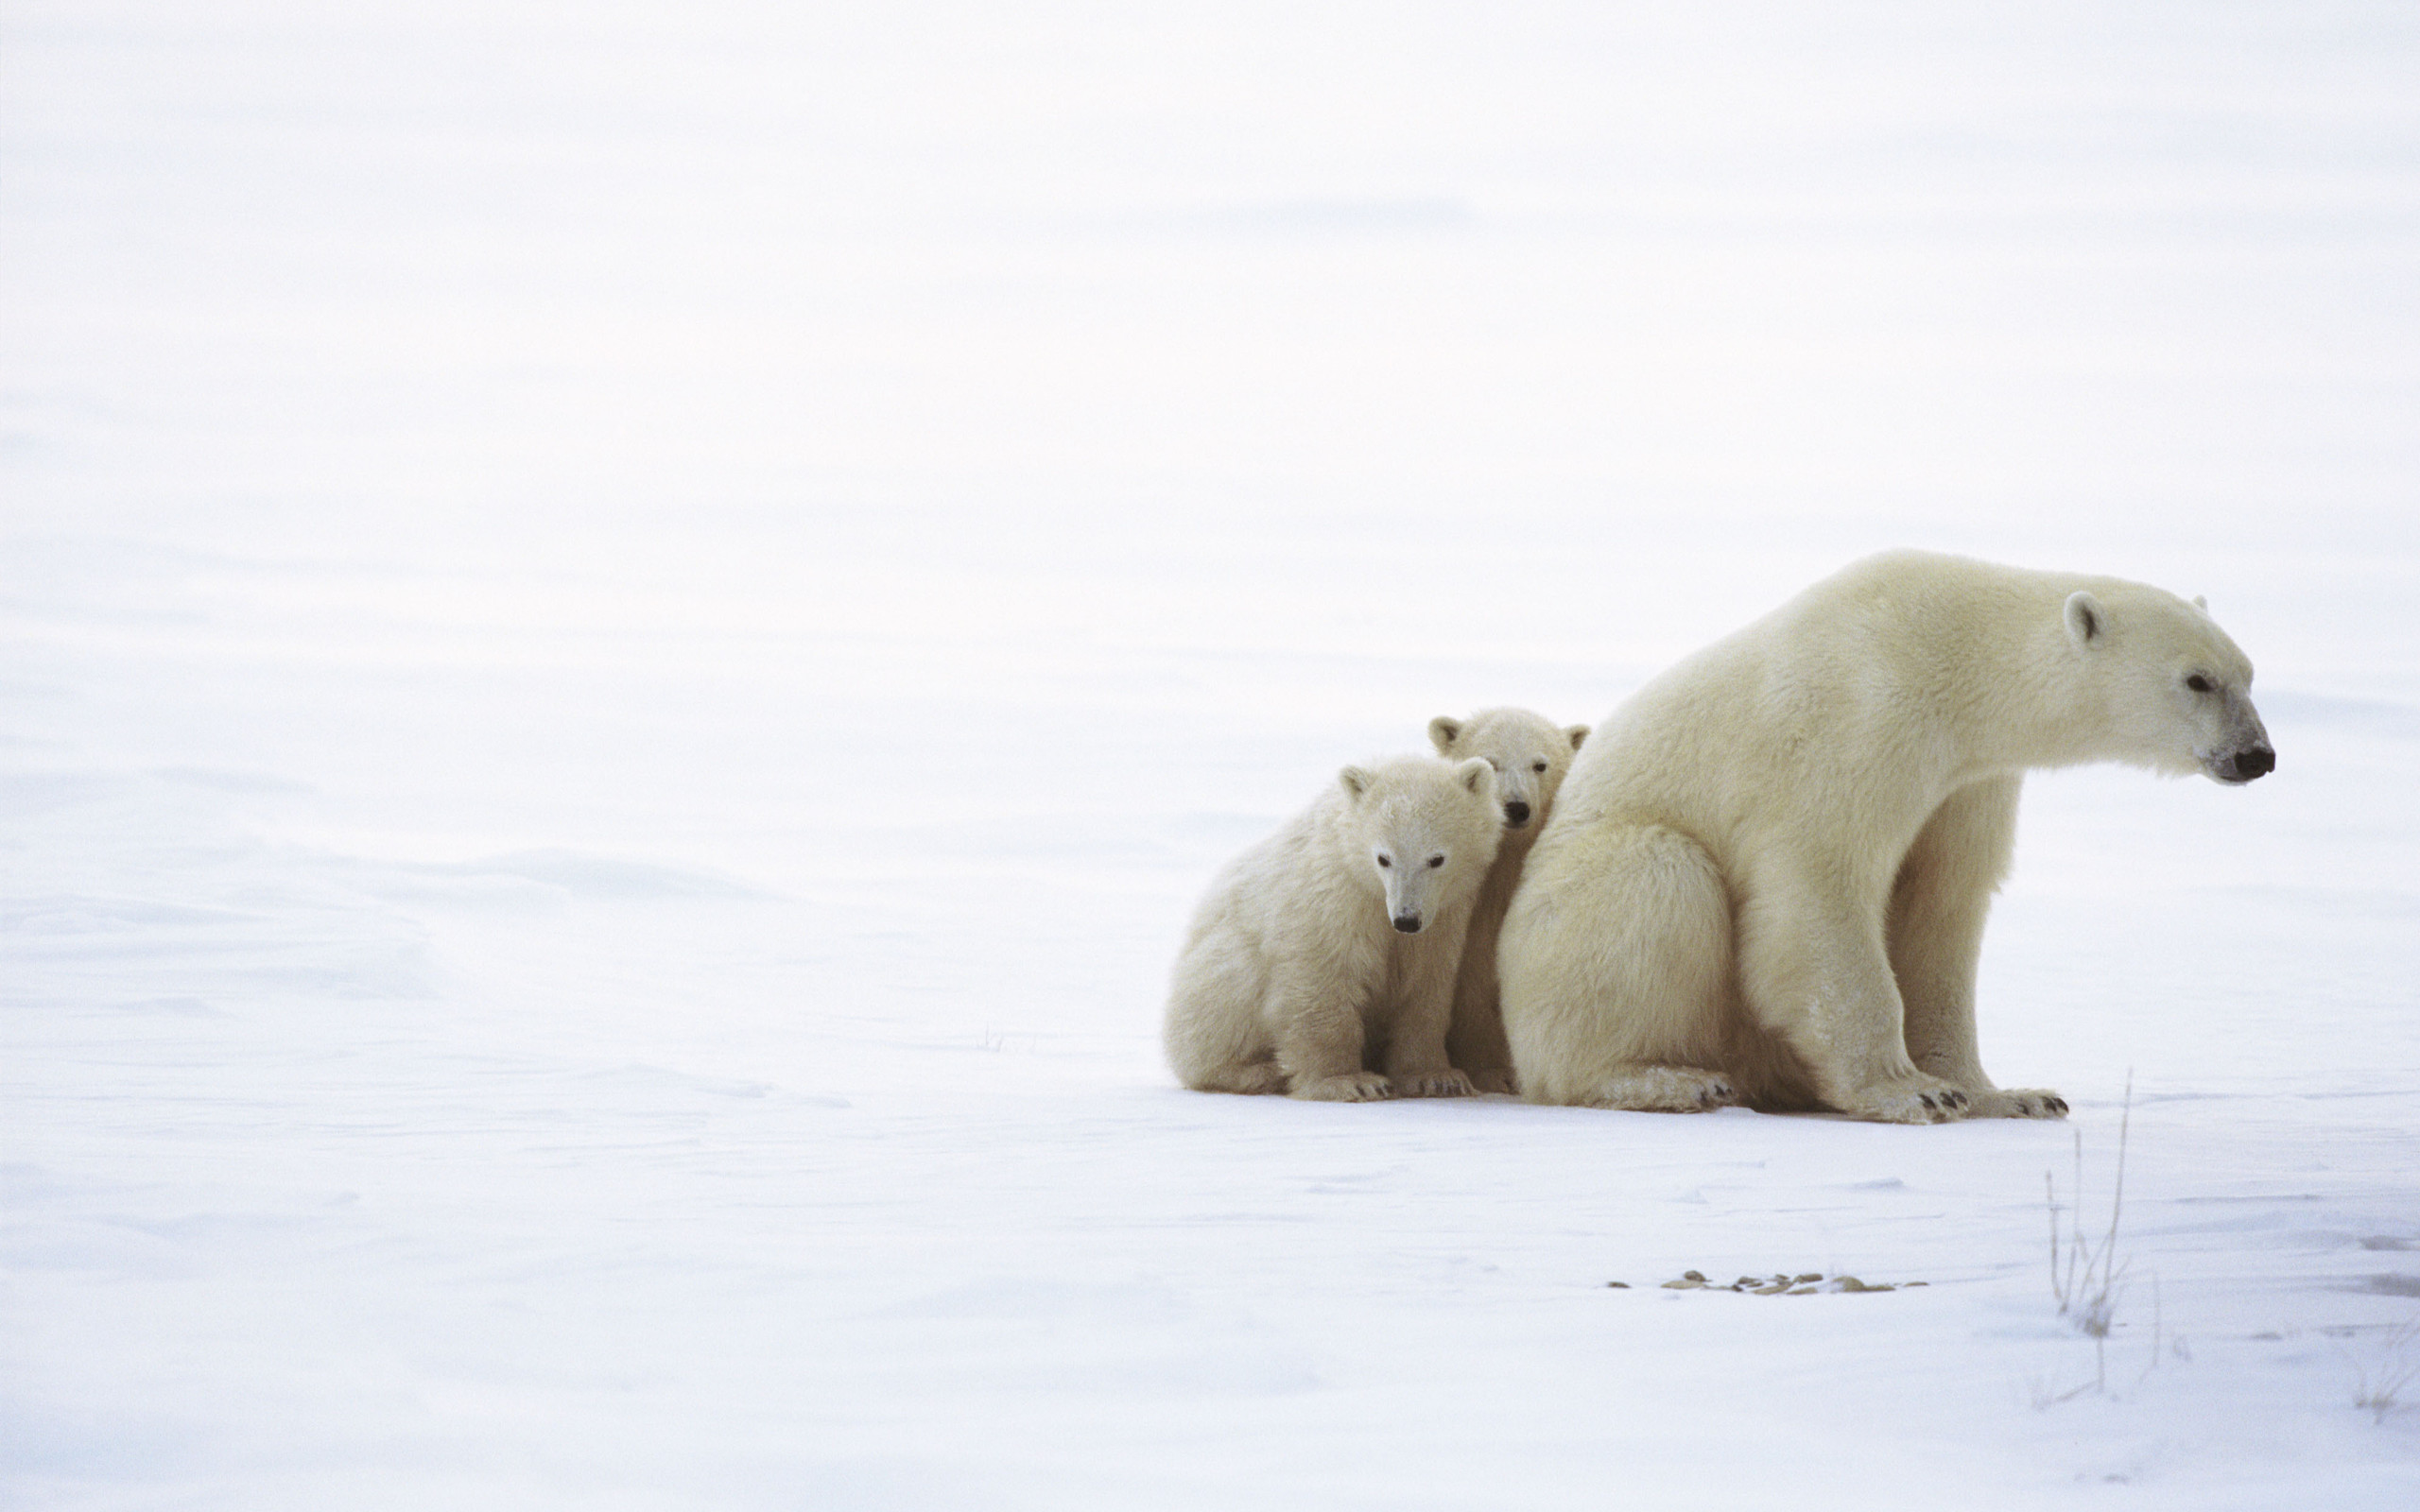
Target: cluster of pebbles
point(1777, 1284)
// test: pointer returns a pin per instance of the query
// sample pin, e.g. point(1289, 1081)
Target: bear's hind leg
point(1215, 1038)
point(1614, 966)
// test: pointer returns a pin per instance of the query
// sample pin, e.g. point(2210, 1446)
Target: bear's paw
point(1661, 1089)
point(2021, 1102)
point(1352, 1087)
point(1917, 1099)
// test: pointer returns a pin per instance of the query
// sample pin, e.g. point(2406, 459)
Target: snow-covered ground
point(629, 629)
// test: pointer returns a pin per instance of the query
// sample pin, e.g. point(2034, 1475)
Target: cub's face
point(2180, 690)
point(1528, 754)
point(1428, 830)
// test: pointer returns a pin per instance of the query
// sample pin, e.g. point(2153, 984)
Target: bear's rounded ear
point(1577, 733)
point(2086, 620)
point(1356, 781)
point(2201, 603)
point(1477, 775)
point(1443, 731)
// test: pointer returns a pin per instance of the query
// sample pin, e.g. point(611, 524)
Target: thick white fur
point(1529, 756)
point(1296, 976)
point(1767, 874)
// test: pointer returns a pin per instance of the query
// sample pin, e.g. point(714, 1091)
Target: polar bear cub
point(1321, 962)
point(1767, 874)
point(1529, 754)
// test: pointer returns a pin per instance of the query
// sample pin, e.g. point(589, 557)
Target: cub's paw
point(1917, 1099)
point(1664, 1090)
point(1352, 1087)
point(2022, 1101)
point(1253, 1077)
point(1446, 1083)
point(1494, 1079)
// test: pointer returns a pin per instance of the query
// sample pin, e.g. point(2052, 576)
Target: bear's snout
point(2246, 765)
point(1517, 814)
point(1407, 923)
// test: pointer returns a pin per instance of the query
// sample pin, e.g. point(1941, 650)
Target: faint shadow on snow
point(1137, 1338)
point(583, 875)
point(1039, 1296)
point(27, 793)
point(229, 781)
point(190, 954)
point(170, 1007)
point(77, 914)
point(656, 1079)
point(39, 1439)
point(1356, 216)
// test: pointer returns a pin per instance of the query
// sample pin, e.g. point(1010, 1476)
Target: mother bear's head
point(2176, 691)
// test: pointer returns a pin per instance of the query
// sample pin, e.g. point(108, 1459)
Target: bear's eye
point(1436, 861)
point(1539, 766)
point(1385, 862)
point(2198, 683)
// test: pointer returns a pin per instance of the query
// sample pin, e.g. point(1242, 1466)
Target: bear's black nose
point(2257, 761)
point(1517, 814)
point(1408, 923)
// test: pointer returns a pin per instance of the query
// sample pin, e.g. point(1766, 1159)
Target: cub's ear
point(2086, 620)
point(1443, 731)
point(2201, 603)
point(1577, 733)
point(1356, 781)
point(1477, 775)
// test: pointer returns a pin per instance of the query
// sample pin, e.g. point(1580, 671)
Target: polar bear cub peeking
point(1766, 877)
point(1530, 755)
point(1321, 962)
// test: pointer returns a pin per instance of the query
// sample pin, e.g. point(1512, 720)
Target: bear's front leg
point(1423, 1011)
point(1315, 1017)
point(1939, 903)
point(1814, 970)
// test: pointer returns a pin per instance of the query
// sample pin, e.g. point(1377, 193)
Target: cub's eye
point(1384, 862)
point(2198, 683)
point(1436, 861)
point(1539, 766)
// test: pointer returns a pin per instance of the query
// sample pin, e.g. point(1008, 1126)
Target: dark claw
point(1926, 1098)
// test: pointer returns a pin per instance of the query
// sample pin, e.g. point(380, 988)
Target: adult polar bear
point(1766, 875)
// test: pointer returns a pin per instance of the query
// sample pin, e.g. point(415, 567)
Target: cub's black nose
point(1408, 923)
point(2257, 761)
point(1517, 814)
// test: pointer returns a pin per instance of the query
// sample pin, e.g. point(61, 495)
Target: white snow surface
point(630, 630)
